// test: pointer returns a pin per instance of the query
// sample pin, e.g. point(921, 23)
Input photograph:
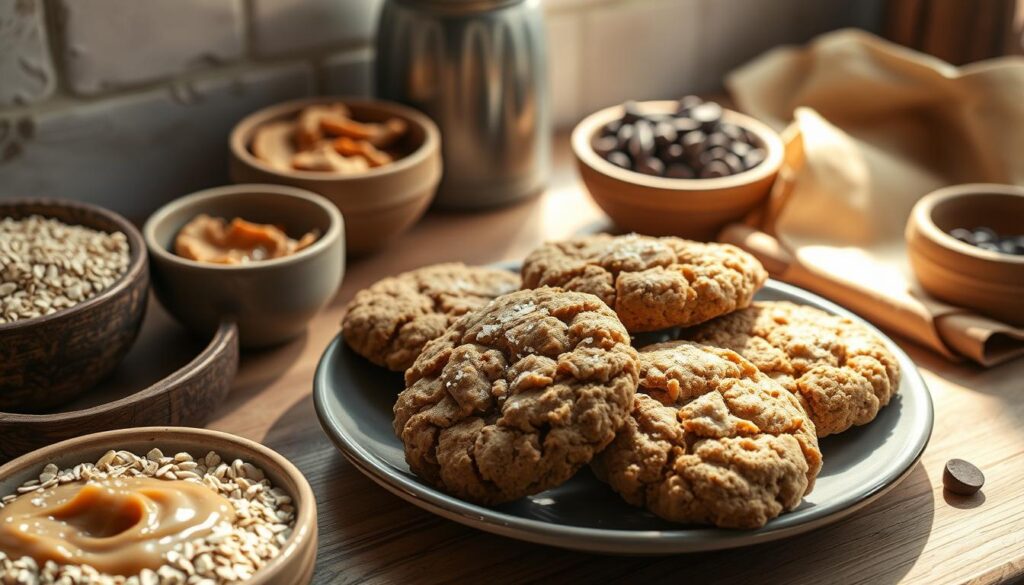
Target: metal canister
point(479, 69)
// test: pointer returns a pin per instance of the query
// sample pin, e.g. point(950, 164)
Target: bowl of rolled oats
point(74, 281)
point(156, 506)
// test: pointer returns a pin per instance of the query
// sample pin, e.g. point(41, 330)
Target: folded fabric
point(873, 127)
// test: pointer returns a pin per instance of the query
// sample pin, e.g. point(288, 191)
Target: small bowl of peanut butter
point(268, 257)
point(157, 504)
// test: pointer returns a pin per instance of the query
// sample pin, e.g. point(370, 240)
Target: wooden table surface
point(914, 534)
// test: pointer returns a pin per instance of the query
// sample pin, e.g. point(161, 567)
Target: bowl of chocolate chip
point(679, 167)
point(966, 247)
point(379, 162)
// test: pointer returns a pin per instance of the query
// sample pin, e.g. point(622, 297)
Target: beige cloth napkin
point(872, 127)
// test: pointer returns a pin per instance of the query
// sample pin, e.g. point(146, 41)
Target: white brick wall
point(26, 71)
point(112, 44)
point(134, 105)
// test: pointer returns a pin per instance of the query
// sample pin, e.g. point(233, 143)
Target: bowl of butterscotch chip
point(379, 162)
point(682, 167)
point(156, 505)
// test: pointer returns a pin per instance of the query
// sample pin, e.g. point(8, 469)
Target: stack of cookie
point(510, 392)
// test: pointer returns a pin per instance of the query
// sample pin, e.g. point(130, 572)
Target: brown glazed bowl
point(379, 203)
point(49, 360)
point(991, 283)
point(661, 206)
point(293, 566)
point(271, 300)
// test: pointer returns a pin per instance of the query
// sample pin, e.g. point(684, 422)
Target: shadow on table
point(367, 534)
point(259, 368)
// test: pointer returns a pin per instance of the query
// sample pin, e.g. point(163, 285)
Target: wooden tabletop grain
point(915, 534)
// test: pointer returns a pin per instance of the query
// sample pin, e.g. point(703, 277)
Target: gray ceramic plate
point(354, 399)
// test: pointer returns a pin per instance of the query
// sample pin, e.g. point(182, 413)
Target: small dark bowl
point(48, 360)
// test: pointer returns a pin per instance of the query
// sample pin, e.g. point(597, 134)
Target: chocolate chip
point(715, 168)
point(673, 153)
point(754, 158)
point(650, 165)
point(684, 125)
point(985, 234)
point(733, 162)
point(665, 134)
point(624, 135)
point(612, 128)
point(620, 159)
point(963, 234)
point(707, 114)
point(680, 171)
point(733, 131)
point(740, 149)
point(688, 103)
point(642, 143)
point(631, 112)
point(962, 477)
point(693, 143)
point(720, 140)
point(1009, 246)
point(604, 145)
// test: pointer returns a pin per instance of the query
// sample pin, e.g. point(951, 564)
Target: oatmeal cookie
point(390, 322)
point(514, 398)
point(711, 440)
point(652, 283)
point(841, 371)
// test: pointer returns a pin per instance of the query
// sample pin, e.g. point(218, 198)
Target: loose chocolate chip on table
point(715, 168)
point(642, 143)
point(605, 145)
point(962, 477)
point(620, 159)
point(679, 171)
point(650, 165)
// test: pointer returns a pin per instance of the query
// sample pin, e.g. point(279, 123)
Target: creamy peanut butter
point(119, 526)
point(211, 239)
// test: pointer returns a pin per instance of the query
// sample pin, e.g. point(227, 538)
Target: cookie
point(711, 440)
point(514, 398)
point(652, 283)
point(840, 370)
point(390, 322)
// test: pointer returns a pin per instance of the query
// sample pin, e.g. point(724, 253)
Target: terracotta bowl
point(295, 563)
point(272, 300)
point(991, 283)
point(378, 204)
point(660, 206)
point(49, 360)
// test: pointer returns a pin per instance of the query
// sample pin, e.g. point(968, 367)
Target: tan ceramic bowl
point(294, 566)
point(49, 360)
point(660, 206)
point(272, 300)
point(989, 282)
point(378, 204)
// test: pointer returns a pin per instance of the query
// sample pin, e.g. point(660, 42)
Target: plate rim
point(617, 541)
